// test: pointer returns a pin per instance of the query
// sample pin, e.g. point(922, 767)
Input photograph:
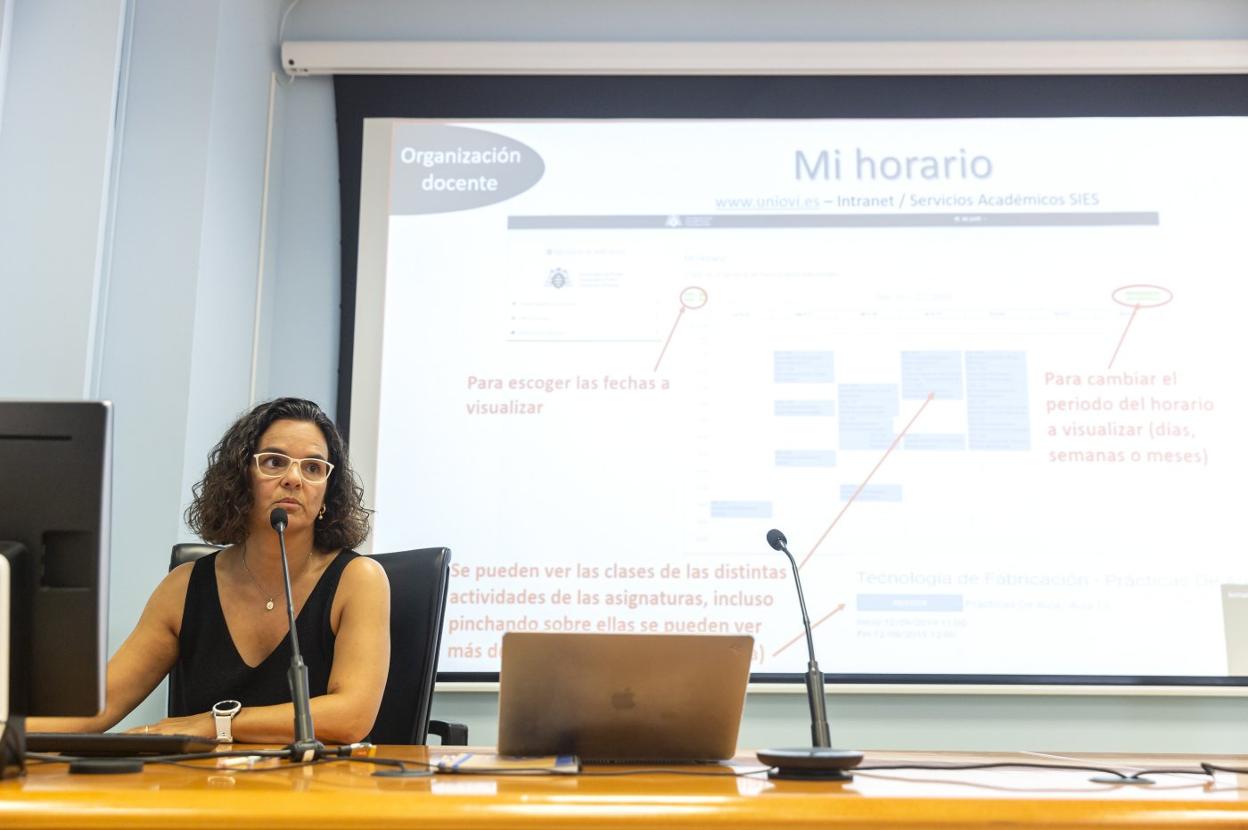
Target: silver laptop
point(622, 697)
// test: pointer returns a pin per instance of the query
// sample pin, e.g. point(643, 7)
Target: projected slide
point(986, 375)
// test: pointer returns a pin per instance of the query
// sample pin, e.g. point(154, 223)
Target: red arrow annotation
point(867, 480)
point(1136, 296)
point(1134, 311)
point(691, 299)
point(679, 314)
point(861, 487)
point(838, 609)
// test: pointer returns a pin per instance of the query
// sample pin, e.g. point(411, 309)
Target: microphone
point(819, 734)
point(819, 762)
point(305, 747)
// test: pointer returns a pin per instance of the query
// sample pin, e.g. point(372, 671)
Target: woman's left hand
point(198, 725)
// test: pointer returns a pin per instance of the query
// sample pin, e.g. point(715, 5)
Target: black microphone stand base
point(810, 763)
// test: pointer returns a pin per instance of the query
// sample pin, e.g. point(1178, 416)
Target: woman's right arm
point(143, 660)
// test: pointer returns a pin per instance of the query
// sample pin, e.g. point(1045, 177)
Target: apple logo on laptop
point(623, 700)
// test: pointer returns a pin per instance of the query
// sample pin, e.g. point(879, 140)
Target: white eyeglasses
point(275, 464)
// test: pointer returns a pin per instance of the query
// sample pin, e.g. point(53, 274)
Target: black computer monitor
point(55, 474)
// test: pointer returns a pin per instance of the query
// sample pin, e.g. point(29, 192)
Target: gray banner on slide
point(440, 169)
point(833, 220)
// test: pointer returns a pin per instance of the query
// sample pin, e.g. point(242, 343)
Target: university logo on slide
point(440, 169)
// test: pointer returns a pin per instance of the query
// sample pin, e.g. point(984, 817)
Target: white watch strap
point(225, 728)
point(223, 719)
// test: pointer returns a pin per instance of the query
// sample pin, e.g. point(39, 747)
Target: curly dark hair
point(222, 504)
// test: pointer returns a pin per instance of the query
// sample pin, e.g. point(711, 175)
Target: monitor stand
point(12, 726)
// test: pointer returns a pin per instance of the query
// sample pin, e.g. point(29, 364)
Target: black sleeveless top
point(209, 668)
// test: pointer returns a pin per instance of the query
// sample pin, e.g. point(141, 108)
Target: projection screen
point(979, 368)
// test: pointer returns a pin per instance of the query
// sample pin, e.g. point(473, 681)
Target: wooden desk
point(348, 796)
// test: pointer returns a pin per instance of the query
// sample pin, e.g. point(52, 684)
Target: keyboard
point(116, 744)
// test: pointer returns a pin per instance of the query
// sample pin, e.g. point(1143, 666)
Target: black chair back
point(418, 586)
point(189, 552)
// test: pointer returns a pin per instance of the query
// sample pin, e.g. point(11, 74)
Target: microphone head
point(279, 520)
point(776, 539)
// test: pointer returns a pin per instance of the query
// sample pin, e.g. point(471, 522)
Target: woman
point(219, 627)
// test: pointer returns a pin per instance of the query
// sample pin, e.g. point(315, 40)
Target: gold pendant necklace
point(268, 606)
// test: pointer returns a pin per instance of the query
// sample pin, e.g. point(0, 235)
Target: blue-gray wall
point(132, 168)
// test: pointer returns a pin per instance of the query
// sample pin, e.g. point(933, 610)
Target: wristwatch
point(223, 718)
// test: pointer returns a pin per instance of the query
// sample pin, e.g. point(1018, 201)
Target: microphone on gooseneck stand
point(305, 747)
point(818, 762)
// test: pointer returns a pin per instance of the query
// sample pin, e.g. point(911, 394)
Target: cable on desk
point(403, 767)
point(995, 765)
point(1205, 769)
point(56, 758)
point(424, 768)
point(500, 772)
point(496, 772)
point(674, 771)
point(184, 764)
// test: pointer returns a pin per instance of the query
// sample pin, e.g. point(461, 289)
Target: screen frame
point(719, 96)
